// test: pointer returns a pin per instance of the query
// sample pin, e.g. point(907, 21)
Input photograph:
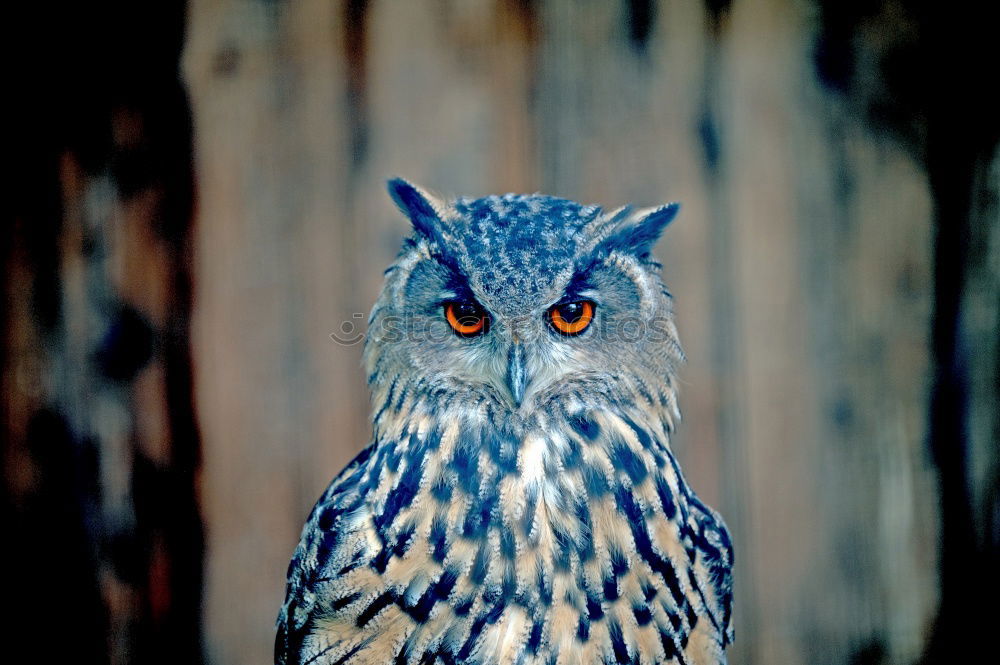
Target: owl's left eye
point(466, 317)
point(572, 318)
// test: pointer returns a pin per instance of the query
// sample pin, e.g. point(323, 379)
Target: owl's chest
point(568, 541)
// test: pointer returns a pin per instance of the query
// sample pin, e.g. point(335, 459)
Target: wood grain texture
point(801, 264)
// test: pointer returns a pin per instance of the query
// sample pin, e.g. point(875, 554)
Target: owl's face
point(522, 300)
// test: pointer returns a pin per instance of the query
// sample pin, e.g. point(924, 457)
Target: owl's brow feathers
point(510, 248)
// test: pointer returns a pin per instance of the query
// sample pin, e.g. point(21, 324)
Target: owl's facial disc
point(520, 299)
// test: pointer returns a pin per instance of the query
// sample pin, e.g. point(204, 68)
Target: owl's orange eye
point(572, 318)
point(466, 318)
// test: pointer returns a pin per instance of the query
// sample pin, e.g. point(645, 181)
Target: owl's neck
point(400, 408)
point(578, 436)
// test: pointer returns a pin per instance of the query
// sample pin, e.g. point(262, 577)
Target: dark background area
point(197, 204)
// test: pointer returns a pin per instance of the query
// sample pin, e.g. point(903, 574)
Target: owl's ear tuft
point(422, 208)
point(638, 233)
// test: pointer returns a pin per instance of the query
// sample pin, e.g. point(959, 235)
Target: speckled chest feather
point(575, 540)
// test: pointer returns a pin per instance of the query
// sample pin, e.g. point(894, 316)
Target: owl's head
point(517, 301)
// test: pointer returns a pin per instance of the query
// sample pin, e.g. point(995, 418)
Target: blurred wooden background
point(836, 268)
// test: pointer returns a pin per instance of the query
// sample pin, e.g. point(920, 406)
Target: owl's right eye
point(467, 318)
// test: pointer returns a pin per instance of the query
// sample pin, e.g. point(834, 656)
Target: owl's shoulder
point(715, 545)
point(326, 549)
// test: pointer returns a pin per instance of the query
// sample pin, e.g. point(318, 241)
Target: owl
point(519, 502)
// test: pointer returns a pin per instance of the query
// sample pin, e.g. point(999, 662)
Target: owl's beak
point(517, 373)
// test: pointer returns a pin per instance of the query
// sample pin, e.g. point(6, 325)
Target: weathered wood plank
point(801, 266)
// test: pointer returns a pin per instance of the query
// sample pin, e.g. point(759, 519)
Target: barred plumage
point(488, 526)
